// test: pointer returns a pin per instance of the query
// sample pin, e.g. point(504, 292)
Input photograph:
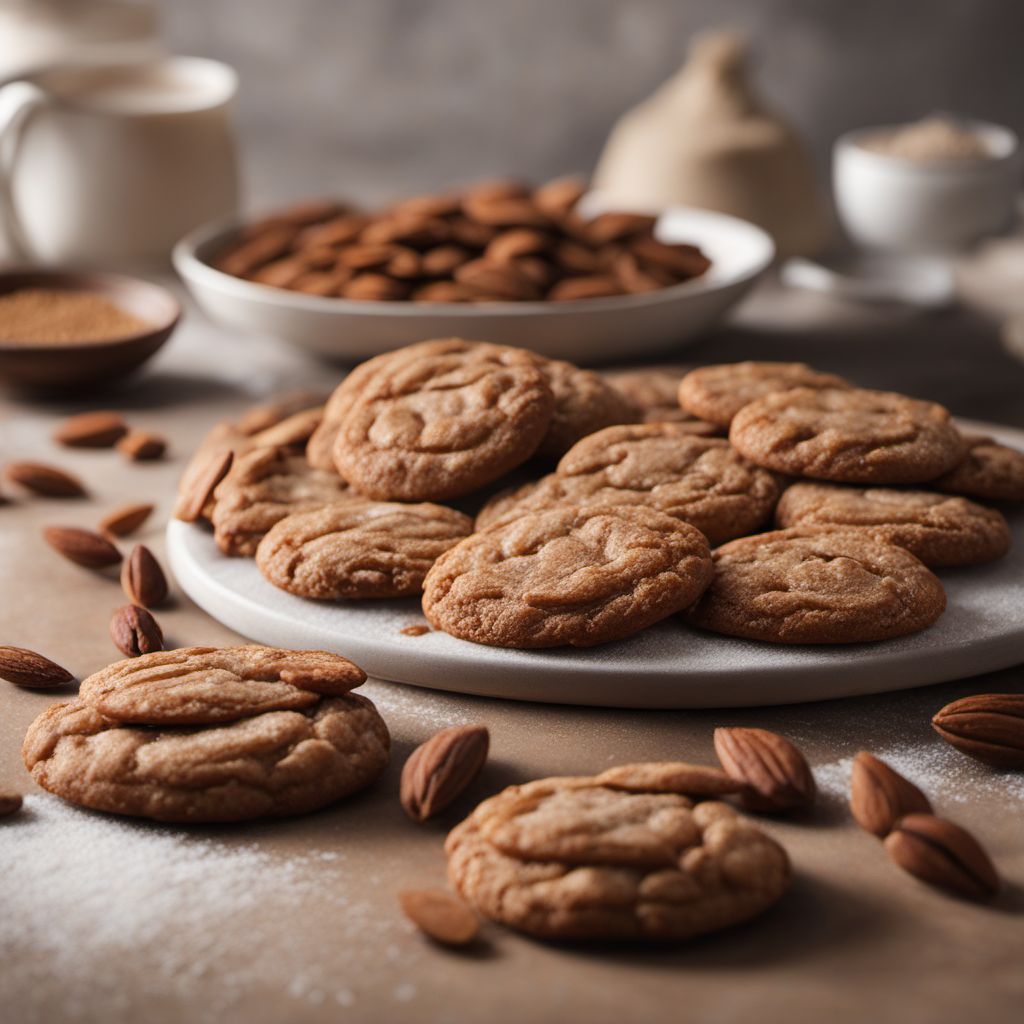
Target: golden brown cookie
point(359, 549)
point(940, 530)
point(848, 435)
point(442, 420)
point(717, 393)
point(808, 586)
point(570, 859)
point(320, 448)
point(701, 481)
point(655, 392)
point(990, 471)
point(261, 488)
point(566, 576)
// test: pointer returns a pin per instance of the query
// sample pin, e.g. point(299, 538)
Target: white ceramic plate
point(668, 666)
point(589, 331)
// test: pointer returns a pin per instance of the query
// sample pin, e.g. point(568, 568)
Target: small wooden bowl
point(75, 367)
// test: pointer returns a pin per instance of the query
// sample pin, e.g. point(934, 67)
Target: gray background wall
point(374, 98)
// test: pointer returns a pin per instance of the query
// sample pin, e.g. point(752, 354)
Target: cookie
point(656, 394)
point(701, 481)
point(567, 576)
point(320, 447)
point(940, 530)
point(359, 549)
point(808, 586)
point(202, 735)
point(990, 471)
point(717, 393)
point(848, 435)
point(260, 489)
point(444, 419)
point(569, 859)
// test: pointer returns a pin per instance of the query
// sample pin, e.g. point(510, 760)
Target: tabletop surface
point(112, 920)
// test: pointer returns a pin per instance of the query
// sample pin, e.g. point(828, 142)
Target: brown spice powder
point(42, 316)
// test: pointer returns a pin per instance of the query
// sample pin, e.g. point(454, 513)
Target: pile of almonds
point(498, 241)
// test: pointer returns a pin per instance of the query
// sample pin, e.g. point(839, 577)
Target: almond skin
point(29, 669)
point(10, 803)
point(142, 579)
point(988, 726)
point(942, 854)
point(141, 446)
point(775, 775)
point(439, 914)
point(135, 631)
point(126, 519)
point(83, 547)
point(46, 481)
point(440, 770)
point(880, 796)
point(91, 430)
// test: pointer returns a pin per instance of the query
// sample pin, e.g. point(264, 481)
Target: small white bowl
point(588, 331)
point(901, 205)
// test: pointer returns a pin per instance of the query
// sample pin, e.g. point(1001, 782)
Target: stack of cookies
point(535, 504)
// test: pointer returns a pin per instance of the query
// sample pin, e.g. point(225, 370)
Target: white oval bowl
point(588, 331)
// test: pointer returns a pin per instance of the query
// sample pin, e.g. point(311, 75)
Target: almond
point(613, 227)
point(135, 631)
point(91, 430)
point(201, 484)
point(942, 854)
point(593, 286)
point(505, 213)
point(126, 519)
point(775, 775)
point(561, 195)
point(880, 796)
point(142, 579)
point(47, 481)
point(141, 446)
point(439, 914)
point(83, 547)
point(496, 281)
point(10, 803)
point(510, 245)
point(27, 668)
point(259, 417)
point(988, 726)
point(291, 432)
point(374, 288)
point(438, 771)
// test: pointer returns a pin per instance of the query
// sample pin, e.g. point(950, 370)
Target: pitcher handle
point(17, 101)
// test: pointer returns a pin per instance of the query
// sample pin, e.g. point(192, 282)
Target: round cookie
point(567, 576)
point(261, 488)
point(656, 394)
point(940, 530)
point(848, 435)
point(990, 471)
point(441, 420)
point(809, 586)
point(717, 393)
point(701, 481)
point(569, 859)
point(359, 549)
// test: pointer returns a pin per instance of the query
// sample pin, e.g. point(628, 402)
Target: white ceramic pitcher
point(110, 165)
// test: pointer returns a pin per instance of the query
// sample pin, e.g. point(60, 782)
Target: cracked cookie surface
point(809, 586)
point(990, 471)
point(655, 393)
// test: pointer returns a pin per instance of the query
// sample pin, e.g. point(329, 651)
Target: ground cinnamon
point(43, 316)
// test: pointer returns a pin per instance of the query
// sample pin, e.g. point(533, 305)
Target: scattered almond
point(775, 775)
point(141, 446)
point(10, 803)
point(83, 547)
point(27, 668)
point(142, 579)
point(200, 486)
point(439, 914)
point(942, 854)
point(46, 481)
point(91, 430)
point(126, 519)
point(438, 771)
point(135, 631)
point(988, 726)
point(880, 796)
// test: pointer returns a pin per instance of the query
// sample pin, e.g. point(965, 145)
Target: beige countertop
point(114, 921)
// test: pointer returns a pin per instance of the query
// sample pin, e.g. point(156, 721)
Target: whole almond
point(505, 213)
point(126, 519)
point(91, 430)
point(46, 481)
point(201, 485)
point(439, 914)
point(142, 446)
point(142, 579)
point(561, 195)
point(988, 726)
point(10, 803)
point(942, 854)
point(29, 669)
point(135, 631)
point(496, 281)
point(775, 775)
point(880, 796)
point(83, 547)
point(438, 771)
point(614, 226)
point(588, 286)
